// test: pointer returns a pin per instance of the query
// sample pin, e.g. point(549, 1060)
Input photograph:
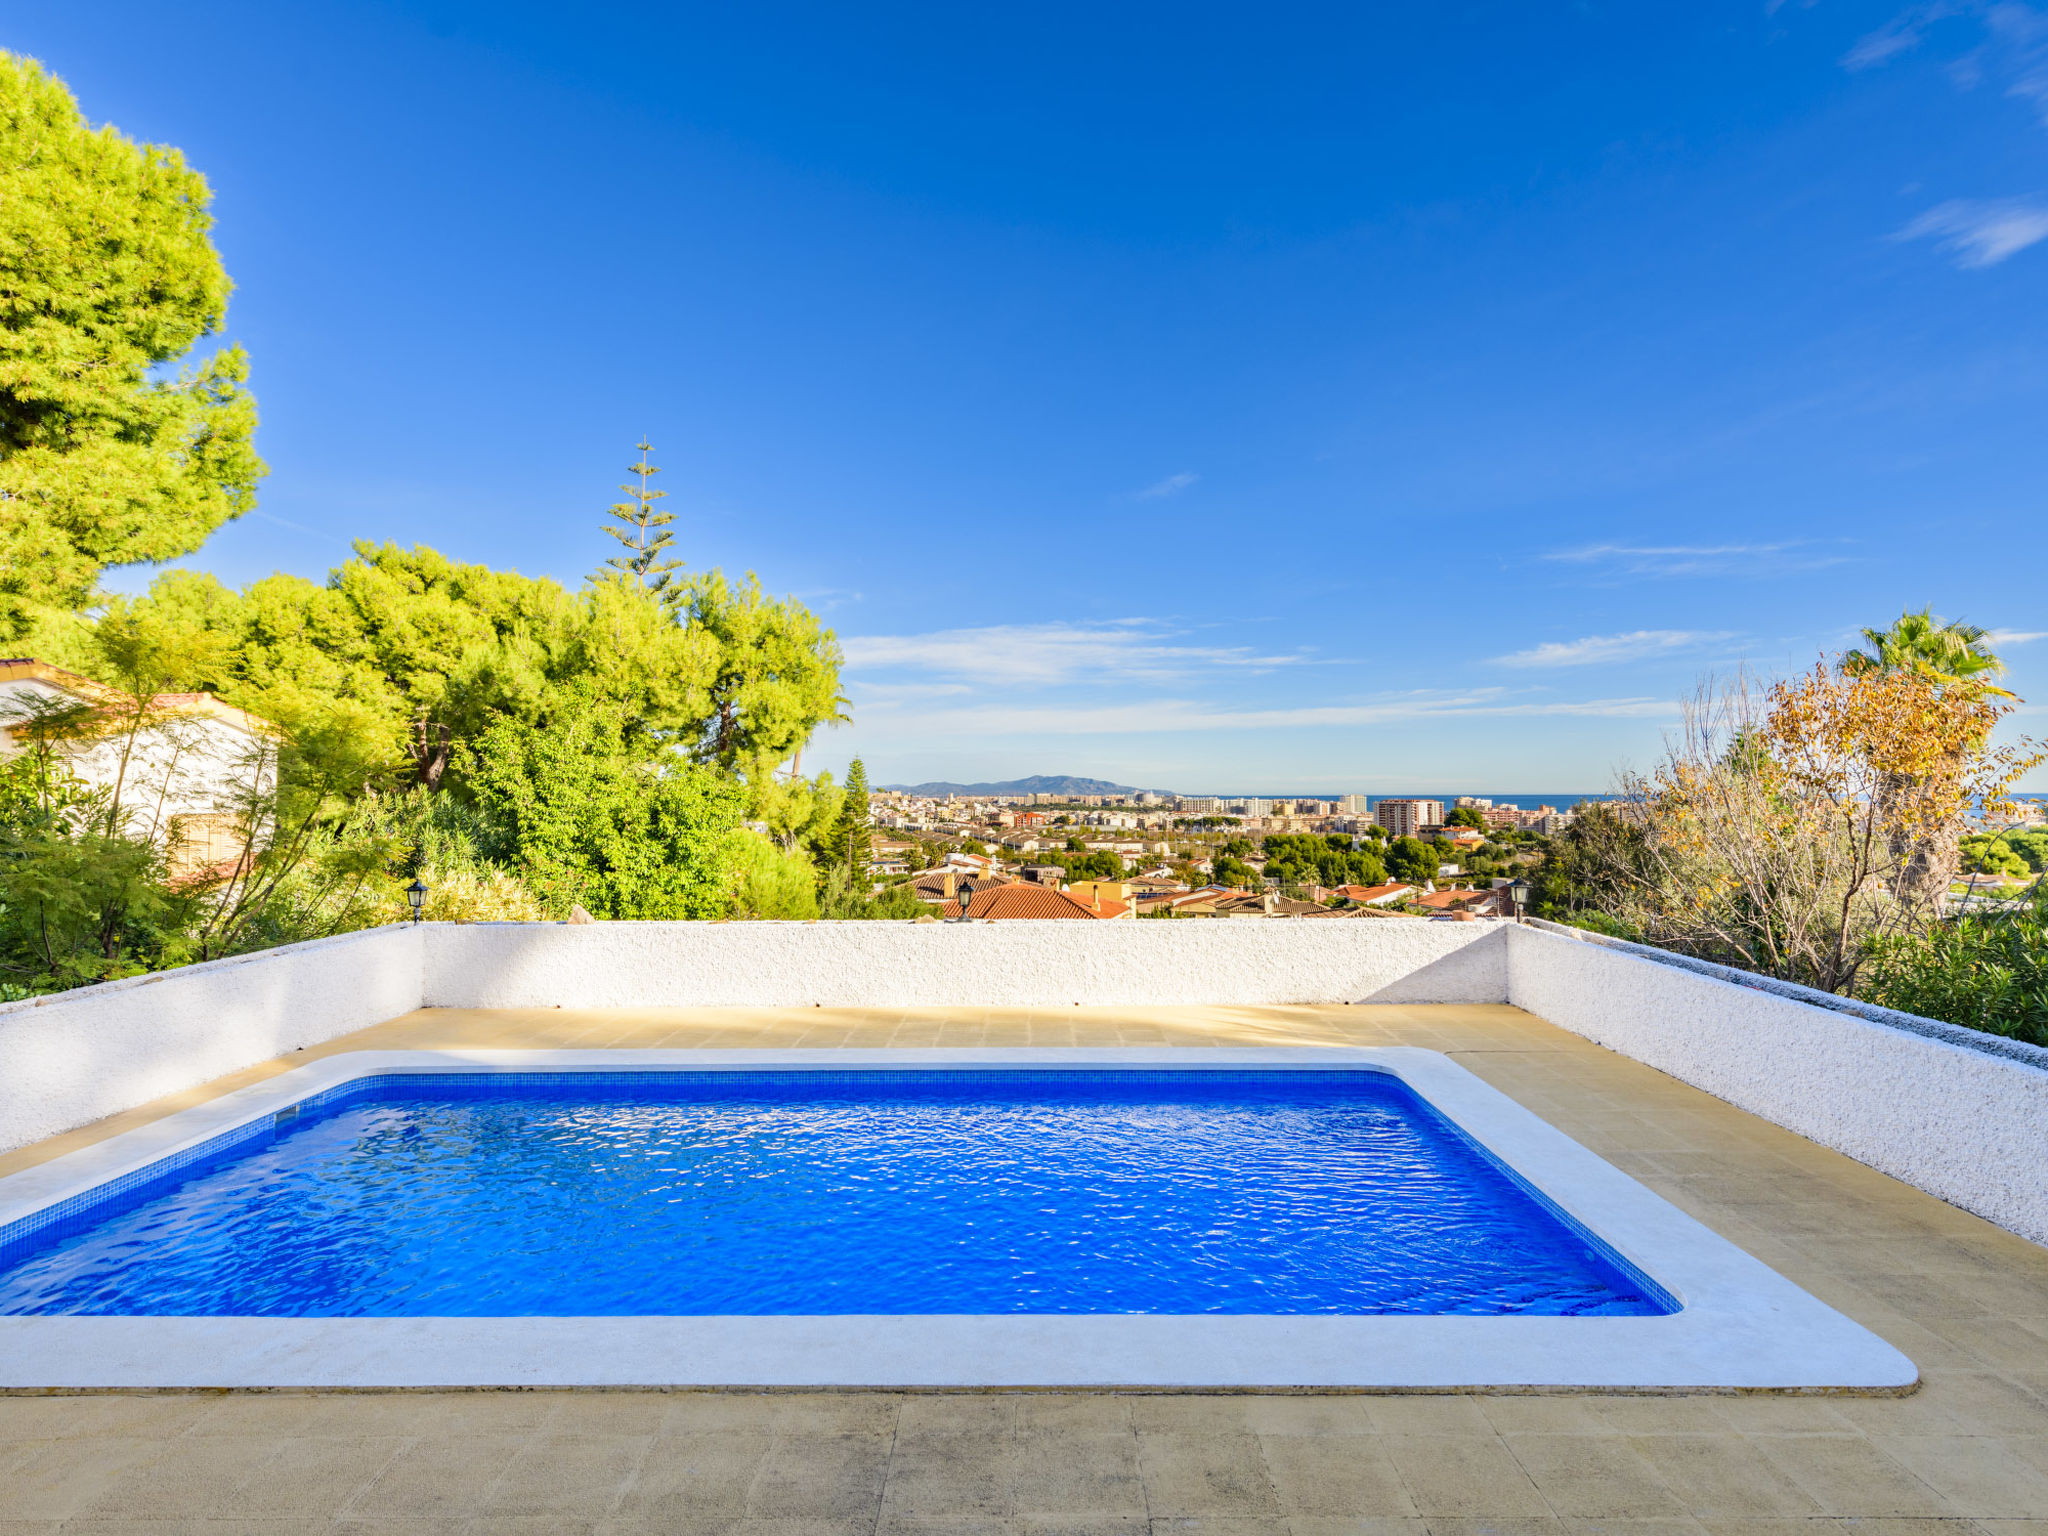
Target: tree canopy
point(107, 273)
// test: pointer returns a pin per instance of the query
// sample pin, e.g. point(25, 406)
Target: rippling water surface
point(1181, 1194)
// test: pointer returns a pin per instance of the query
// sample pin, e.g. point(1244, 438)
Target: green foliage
point(1466, 816)
point(110, 273)
point(644, 531)
point(437, 651)
point(769, 882)
point(1946, 651)
point(841, 902)
point(774, 679)
point(1412, 860)
point(1100, 865)
point(1232, 871)
point(2010, 854)
point(852, 837)
point(588, 811)
point(77, 903)
point(1300, 859)
point(1601, 922)
point(1985, 971)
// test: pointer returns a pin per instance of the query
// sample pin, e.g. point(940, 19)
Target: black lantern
point(966, 898)
point(415, 895)
point(1518, 893)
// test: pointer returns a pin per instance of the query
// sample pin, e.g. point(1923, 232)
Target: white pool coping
point(1741, 1325)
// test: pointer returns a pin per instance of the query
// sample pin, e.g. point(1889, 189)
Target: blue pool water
point(813, 1192)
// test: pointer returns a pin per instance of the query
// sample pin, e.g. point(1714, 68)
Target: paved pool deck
point(1966, 1453)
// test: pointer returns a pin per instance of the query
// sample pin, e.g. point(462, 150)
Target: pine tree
point(852, 838)
point(645, 533)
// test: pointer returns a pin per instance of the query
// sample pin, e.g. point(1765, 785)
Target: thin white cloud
point(1899, 35)
point(1698, 559)
point(1161, 716)
point(2016, 636)
point(1172, 485)
point(1981, 233)
point(1597, 650)
point(2009, 44)
point(1044, 654)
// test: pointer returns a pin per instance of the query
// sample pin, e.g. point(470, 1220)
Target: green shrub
point(771, 883)
point(1983, 970)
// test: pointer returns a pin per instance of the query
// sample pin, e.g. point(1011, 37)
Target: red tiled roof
point(1025, 900)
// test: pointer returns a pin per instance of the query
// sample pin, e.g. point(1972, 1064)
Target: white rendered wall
point(76, 1057)
point(885, 965)
point(1960, 1123)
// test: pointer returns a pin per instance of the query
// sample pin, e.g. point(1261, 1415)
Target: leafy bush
point(588, 811)
point(1413, 860)
point(770, 883)
point(1983, 970)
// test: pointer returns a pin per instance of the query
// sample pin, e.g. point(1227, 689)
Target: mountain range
point(1037, 784)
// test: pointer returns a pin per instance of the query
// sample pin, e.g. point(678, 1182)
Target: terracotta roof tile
point(1023, 900)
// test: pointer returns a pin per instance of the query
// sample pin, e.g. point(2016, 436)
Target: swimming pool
point(1302, 1217)
point(799, 1193)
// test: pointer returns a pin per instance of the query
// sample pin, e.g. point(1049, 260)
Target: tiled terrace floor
point(1967, 1453)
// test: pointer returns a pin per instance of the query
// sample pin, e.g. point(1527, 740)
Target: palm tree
point(1945, 651)
point(1957, 659)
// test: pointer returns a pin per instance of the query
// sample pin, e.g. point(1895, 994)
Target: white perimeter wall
point(1959, 1123)
point(886, 965)
point(75, 1057)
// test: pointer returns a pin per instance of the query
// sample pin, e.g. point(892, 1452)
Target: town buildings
point(1407, 818)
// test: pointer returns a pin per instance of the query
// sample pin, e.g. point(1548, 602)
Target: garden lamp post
point(1518, 893)
point(415, 895)
point(966, 898)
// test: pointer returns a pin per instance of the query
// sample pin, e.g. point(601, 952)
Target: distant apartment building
point(1254, 807)
point(1201, 805)
point(1406, 818)
point(1354, 805)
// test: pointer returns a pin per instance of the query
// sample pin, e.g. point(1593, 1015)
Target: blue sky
point(1210, 397)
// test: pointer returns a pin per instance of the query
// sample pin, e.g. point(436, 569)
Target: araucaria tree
point(644, 531)
point(852, 837)
point(107, 274)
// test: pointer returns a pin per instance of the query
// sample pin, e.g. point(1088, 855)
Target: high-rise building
point(1353, 805)
point(1405, 818)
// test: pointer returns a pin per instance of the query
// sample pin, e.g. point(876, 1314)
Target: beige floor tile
point(820, 1476)
point(1217, 1473)
point(1848, 1475)
point(692, 1477)
point(1066, 1474)
point(1588, 1475)
point(1464, 1476)
point(1973, 1474)
point(308, 1477)
point(568, 1475)
point(438, 1478)
point(1329, 1475)
point(1724, 1477)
